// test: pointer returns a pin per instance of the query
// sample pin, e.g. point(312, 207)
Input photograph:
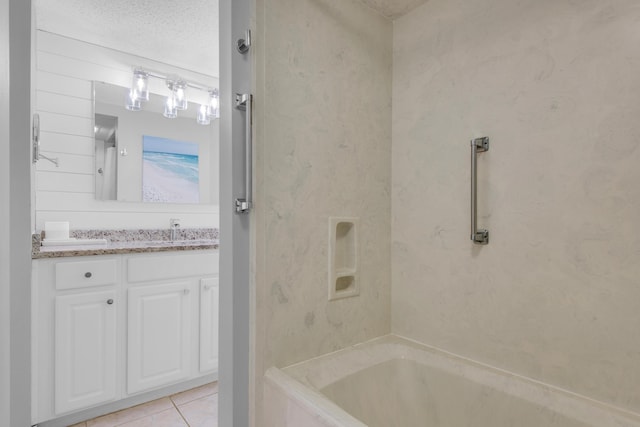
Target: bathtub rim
point(311, 401)
point(302, 376)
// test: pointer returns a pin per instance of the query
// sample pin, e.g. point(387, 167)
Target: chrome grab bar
point(244, 101)
point(478, 145)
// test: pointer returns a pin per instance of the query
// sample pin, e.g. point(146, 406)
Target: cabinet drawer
point(83, 274)
point(164, 267)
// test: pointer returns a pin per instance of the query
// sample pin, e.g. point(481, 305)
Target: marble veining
point(324, 151)
point(554, 84)
point(129, 241)
point(321, 159)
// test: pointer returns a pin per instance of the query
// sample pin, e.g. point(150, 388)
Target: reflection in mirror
point(184, 166)
point(105, 140)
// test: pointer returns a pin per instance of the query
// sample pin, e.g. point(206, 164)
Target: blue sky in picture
point(165, 145)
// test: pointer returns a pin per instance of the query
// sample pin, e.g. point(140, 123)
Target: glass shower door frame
point(235, 228)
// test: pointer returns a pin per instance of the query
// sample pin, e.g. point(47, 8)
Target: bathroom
point(125, 213)
point(365, 110)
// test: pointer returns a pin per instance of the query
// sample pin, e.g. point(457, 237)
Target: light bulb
point(132, 101)
point(141, 84)
point(203, 115)
point(170, 110)
point(214, 104)
point(181, 97)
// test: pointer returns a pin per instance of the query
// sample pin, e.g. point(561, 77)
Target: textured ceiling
point(183, 33)
point(393, 8)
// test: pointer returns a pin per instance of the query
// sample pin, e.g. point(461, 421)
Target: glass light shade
point(203, 115)
point(132, 101)
point(141, 84)
point(181, 97)
point(170, 110)
point(214, 104)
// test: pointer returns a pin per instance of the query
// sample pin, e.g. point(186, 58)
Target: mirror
point(106, 129)
point(141, 156)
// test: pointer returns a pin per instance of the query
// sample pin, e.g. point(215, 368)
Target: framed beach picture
point(169, 171)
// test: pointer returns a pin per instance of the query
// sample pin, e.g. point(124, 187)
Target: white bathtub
point(393, 382)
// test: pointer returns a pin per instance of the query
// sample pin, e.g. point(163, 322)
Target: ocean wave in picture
point(170, 172)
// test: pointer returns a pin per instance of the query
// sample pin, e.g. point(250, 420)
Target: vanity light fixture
point(171, 104)
point(180, 88)
point(140, 86)
point(214, 104)
point(203, 115)
point(176, 99)
point(133, 102)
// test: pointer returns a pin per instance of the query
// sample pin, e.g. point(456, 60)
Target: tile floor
point(197, 407)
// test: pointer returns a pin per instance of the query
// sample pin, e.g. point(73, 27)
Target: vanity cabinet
point(85, 349)
point(113, 326)
point(209, 294)
point(158, 333)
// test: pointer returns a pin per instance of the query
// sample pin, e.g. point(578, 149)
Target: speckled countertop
point(128, 241)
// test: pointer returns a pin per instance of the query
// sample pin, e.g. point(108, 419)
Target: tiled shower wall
point(555, 85)
point(323, 150)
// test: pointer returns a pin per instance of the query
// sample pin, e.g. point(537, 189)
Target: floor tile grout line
point(134, 419)
point(151, 415)
point(180, 413)
point(191, 399)
point(170, 397)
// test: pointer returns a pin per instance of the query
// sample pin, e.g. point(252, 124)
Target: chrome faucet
point(174, 225)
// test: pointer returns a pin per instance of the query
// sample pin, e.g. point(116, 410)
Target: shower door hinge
point(242, 206)
point(244, 44)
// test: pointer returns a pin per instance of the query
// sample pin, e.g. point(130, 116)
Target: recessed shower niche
point(343, 258)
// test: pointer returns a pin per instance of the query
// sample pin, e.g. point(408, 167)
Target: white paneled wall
point(65, 69)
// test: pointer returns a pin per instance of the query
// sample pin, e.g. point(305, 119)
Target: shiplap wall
point(65, 69)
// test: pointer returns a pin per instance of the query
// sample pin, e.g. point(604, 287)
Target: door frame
point(235, 271)
point(235, 229)
point(19, 231)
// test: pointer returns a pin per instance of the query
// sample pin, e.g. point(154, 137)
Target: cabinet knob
point(186, 291)
point(109, 301)
point(87, 274)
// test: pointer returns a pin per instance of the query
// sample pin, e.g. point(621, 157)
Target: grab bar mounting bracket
point(482, 144)
point(241, 101)
point(244, 44)
point(481, 237)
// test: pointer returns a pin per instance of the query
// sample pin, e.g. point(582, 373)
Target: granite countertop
point(128, 241)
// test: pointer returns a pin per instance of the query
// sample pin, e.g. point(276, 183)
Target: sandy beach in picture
point(165, 187)
point(170, 171)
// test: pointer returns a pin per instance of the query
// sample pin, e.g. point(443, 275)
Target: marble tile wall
point(323, 149)
point(555, 85)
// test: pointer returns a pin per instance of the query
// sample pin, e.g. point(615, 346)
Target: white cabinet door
point(85, 350)
point(209, 324)
point(158, 339)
